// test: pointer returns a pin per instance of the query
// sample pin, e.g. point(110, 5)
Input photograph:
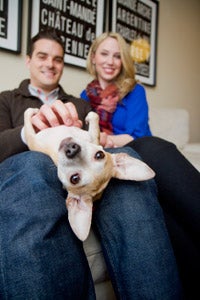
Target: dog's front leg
point(93, 120)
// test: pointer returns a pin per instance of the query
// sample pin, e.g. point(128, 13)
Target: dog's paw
point(92, 116)
point(29, 112)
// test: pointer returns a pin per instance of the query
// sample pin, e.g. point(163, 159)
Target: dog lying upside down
point(84, 168)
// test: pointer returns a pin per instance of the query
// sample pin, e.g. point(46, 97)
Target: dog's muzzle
point(70, 148)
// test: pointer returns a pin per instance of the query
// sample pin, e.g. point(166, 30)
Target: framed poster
point(137, 22)
point(78, 22)
point(10, 25)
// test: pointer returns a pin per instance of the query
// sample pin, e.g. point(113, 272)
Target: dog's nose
point(70, 148)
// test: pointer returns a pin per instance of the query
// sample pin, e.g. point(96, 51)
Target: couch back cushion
point(171, 124)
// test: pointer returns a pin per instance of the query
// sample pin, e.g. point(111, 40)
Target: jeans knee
point(159, 142)
point(151, 144)
point(35, 158)
point(27, 165)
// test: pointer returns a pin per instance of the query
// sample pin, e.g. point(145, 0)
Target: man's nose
point(50, 62)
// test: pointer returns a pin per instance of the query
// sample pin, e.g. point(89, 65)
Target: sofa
point(171, 124)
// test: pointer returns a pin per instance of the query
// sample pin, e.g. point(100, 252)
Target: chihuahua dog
point(84, 167)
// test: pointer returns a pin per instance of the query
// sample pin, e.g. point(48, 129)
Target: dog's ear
point(130, 168)
point(80, 215)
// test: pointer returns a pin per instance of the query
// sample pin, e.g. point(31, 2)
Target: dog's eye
point(99, 155)
point(74, 179)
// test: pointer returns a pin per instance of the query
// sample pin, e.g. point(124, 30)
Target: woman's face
point(107, 60)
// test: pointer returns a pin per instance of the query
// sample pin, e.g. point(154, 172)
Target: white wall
point(178, 63)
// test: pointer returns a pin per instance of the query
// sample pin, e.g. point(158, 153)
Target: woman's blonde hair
point(126, 79)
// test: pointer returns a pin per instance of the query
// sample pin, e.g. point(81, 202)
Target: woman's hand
point(57, 114)
point(113, 141)
point(106, 140)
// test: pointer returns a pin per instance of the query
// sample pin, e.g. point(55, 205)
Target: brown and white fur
point(84, 168)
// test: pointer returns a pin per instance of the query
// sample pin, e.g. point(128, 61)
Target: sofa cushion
point(192, 153)
point(93, 250)
point(171, 124)
point(95, 258)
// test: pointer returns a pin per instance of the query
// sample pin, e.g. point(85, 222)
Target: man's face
point(46, 65)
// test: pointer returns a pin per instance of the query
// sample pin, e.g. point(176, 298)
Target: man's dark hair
point(49, 34)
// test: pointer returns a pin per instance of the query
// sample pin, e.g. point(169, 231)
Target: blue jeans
point(41, 258)
point(179, 196)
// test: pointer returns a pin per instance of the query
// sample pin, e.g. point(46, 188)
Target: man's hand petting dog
point(58, 113)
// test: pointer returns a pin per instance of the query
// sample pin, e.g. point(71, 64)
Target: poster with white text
point(136, 21)
point(78, 22)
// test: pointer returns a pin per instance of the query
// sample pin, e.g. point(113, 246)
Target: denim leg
point(178, 185)
point(135, 242)
point(40, 256)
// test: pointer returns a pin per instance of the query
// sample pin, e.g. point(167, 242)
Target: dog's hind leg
point(28, 127)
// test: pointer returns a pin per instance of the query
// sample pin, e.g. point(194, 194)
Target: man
point(45, 62)
point(41, 258)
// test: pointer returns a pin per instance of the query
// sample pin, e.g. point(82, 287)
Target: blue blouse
point(131, 115)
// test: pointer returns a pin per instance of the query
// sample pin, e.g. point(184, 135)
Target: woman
point(178, 182)
point(110, 63)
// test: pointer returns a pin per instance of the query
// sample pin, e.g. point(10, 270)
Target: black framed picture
point(78, 22)
point(137, 22)
point(10, 25)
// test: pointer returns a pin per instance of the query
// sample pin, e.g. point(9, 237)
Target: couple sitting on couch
point(40, 255)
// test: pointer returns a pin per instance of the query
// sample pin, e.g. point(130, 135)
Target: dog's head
point(85, 169)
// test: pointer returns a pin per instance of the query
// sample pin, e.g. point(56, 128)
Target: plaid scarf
point(103, 102)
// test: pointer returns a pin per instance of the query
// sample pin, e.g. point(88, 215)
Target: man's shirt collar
point(45, 98)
